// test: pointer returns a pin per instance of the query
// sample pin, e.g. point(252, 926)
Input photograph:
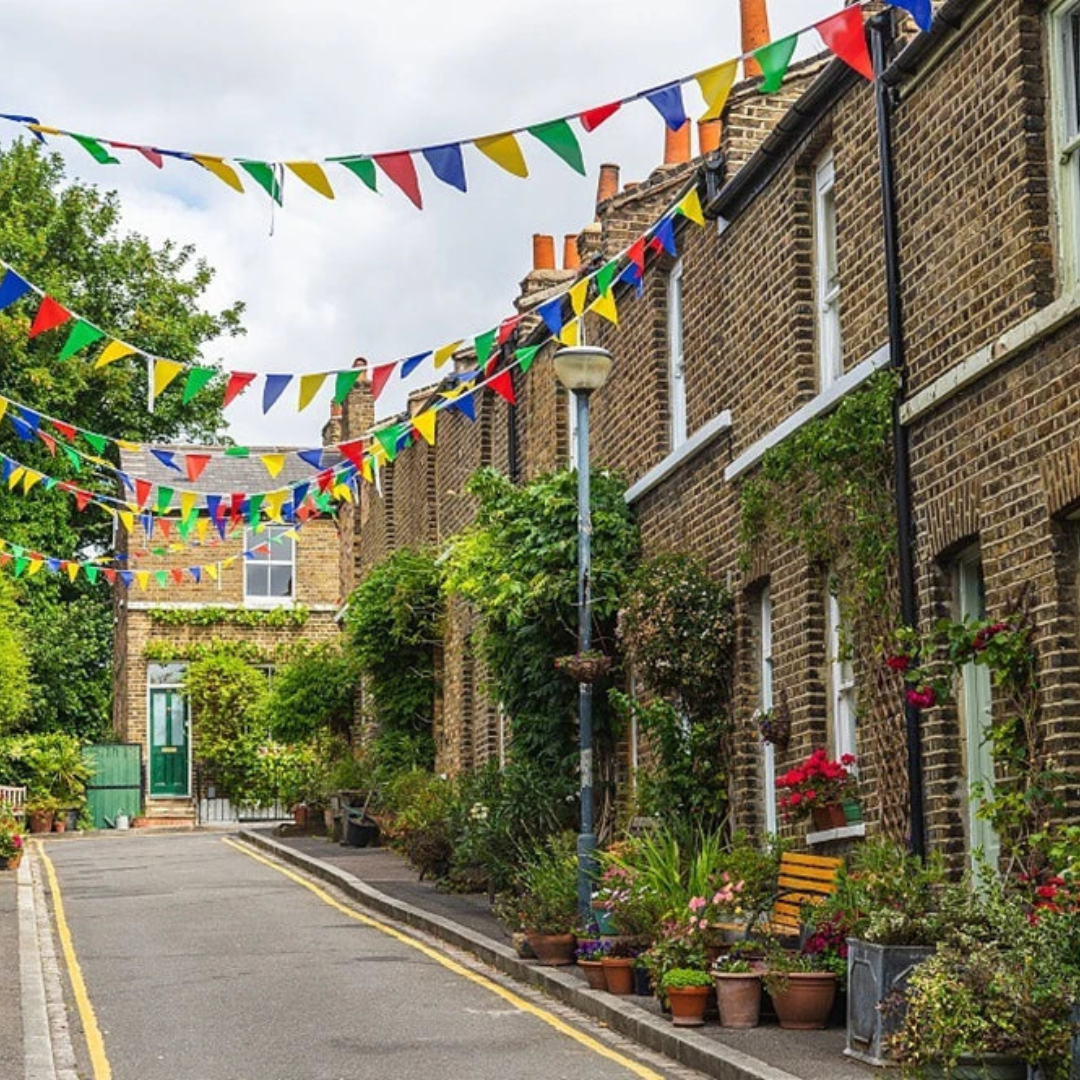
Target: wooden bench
point(14, 798)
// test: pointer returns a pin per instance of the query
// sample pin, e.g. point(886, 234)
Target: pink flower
point(17, 840)
point(697, 903)
point(922, 699)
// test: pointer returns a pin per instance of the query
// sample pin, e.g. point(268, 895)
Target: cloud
point(365, 274)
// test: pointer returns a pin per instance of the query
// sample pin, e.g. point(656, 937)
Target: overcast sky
point(365, 274)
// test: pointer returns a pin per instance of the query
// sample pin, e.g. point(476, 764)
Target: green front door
point(168, 743)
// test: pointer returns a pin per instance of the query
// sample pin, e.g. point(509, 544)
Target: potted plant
point(11, 839)
point(584, 667)
point(40, 810)
point(680, 944)
point(687, 991)
point(547, 900)
point(643, 983)
point(818, 789)
point(589, 954)
point(618, 965)
point(802, 992)
point(738, 992)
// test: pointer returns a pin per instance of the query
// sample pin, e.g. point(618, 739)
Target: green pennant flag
point(184, 526)
point(388, 438)
point(605, 276)
point(197, 378)
point(526, 356)
point(21, 563)
point(94, 149)
point(774, 59)
point(558, 136)
point(82, 334)
point(483, 346)
point(254, 507)
point(322, 501)
point(344, 382)
point(91, 572)
point(159, 551)
point(50, 482)
point(73, 457)
point(162, 577)
point(237, 451)
point(264, 176)
point(360, 166)
point(164, 499)
point(98, 442)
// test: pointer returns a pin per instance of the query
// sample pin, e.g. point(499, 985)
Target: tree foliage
point(313, 692)
point(15, 686)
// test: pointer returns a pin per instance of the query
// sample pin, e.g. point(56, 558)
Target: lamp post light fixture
point(582, 370)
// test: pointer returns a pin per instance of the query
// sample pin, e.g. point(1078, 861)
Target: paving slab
point(11, 1034)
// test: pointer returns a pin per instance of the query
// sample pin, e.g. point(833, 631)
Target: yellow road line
point(481, 980)
point(95, 1045)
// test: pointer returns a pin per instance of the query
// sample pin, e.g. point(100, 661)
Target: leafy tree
point(15, 684)
point(314, 692)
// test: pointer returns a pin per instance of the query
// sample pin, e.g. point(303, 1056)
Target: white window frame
point(253, 539)
point(676, 359)
point(841, 683)
point(765, 703)
point(1064, 54)
point(826, 260)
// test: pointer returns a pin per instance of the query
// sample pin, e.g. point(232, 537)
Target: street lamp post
point(583, 370)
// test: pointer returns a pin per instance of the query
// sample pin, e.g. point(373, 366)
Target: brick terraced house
point(265, 603)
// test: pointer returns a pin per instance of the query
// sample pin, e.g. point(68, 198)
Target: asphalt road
point(203, 964)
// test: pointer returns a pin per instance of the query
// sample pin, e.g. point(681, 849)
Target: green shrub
point(313, 692)
point(545, 888)
point(685, 978)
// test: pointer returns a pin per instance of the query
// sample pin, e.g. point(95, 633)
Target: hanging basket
point(584, 667)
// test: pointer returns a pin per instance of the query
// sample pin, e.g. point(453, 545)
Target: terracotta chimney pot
point(543, 252)
point(608, 185)
point(571, 258)
point(754, 19)
point(677, 145)
point(336, 411)
point(709, 132)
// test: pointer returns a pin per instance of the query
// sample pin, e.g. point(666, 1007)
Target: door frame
point(176, 688)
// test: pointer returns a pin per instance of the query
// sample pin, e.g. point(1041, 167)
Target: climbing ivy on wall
point(274, 618)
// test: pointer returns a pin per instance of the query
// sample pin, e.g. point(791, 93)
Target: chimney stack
point(754, 18)
point(709, 132)
point(677, 145)
point(571, 258)
point(543, 252)
point(607, 186)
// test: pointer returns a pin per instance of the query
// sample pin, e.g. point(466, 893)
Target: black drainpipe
point(881, 37)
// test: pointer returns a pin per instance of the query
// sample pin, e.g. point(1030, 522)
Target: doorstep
point(383, 882)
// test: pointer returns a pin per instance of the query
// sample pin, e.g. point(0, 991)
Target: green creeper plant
point(313, 692)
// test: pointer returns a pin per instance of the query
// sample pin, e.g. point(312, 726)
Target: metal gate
point(212, 808)
point(116, 784)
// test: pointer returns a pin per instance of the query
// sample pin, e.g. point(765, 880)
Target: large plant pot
point(987, 1067)
point(41, 821)
point(594, 974)
point(738, 997)
point(59, 823)
point(805, 1001)
point(605, 924)
point(619, 973)
point(876, 974)
point(643, 984)
point(828, 817)
point(14, 860)
point(688, 1005)
point(553, 950)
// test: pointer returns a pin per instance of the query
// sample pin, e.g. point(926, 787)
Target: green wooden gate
point(116, 784)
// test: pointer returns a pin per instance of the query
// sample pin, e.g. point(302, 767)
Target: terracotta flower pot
point(806, 1000)
point(688, 1005)
point(594, 974)
point(738, 996)
point(619, 973)
point(14, 860)
point(41, 821)
point(553, 950)
point(828, 817)
point(300, 815)
point(59, 823)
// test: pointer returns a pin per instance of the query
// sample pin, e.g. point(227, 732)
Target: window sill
point(848, 832)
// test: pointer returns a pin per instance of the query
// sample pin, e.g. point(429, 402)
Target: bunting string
point(843, 34)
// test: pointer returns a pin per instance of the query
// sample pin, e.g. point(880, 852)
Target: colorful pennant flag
point(668, 102)
point(400, 169)
point(12, 288)
point(115, 350)
point(504, 151)
point(49, 316)
point(265, 175)
point(591, 119)
point(221, 170)
point(362, 167)
point(558, 136)
point(447, 164)
point(845, 35)
point(164, 373)
point(424, 423)
point(273, 388)
point(921, 10)
point(344, 381)
point(716, 84)
point(82, 334)
point(312, 175)
point(310, 385)
point(775, 59)
point(238, 382)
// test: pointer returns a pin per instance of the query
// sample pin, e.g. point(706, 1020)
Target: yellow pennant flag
point(127, 519)
point(3, 407)
point(274, 463)
point(568, 335)
point(312, 175)
point(41, 129)
point(365, 469)
point(605, 307)
point(290, 534)
point(176, 547)
point(425, 423)
point(444, 354)
point(143, 578)
point(72, 571)
point(15, 477)
point(577, 296)
point(202, 527)
point(30, 478)
point(126, 444)
point(342, 492)
point(378, 453)
point(272, 504)
point(310, 385)
point(715, 85)
point(115, 350)
point(188, 499)
point(504, 151)
point(690, 207)
point(35, 566)
point(222, 171)
point(164, 373)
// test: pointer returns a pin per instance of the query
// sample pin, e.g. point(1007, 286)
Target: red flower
point(922, 699)
point(847, 759)
point(794, 799)
point(1046, 892)
point(898, 663)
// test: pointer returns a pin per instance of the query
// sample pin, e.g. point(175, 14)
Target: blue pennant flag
point(147, 522)
point(299, 493)
point(126, 481)
point(920, 10)
point(665, 233)
point(446, 163)
point(633, 276)
point(219, 524)
point(273, 388)
point(7, 468)
point(465, 376)
point(127, 577)
point(410, 365)
point(213, 504)
point(30, 418)
point(287, 513)
point(22, 429)
point(312, 457)
point(464, 404)
point(167, 458)
point(53, 566)
point(196, 573)
point(12, 288)
point(551, 313)
point(667, 100)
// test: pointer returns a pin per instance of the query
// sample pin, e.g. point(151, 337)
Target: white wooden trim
point(678, 457)
point(676, 358)
point(825, 402)
point(187, 605)
point(848, 832)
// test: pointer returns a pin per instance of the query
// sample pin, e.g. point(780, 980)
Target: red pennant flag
point(142, 491)
point(503, 385)
point(81, 499)
point(49, 316)
point(326, 481)
point(354, 451)
point(379, 376)
point(591, 119)
point(110, 576)
point(657, 245)
point(5, 558)
point(178, 576)
point(49, 441)
point(236, 500)
point(195, 464)
point(304, 512)
point(506, 328)
point(147, 152)
point(491, 365)
point(845, 34)
point(262, 549)
point(400, 168)
point(238, 381)
point(165, 525)
point(66, 430)
point(637, 253)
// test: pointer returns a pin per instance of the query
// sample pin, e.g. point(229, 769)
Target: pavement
point(384, 882)
point(11, 1037)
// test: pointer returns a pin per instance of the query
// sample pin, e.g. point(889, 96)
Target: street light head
point(583, 368)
